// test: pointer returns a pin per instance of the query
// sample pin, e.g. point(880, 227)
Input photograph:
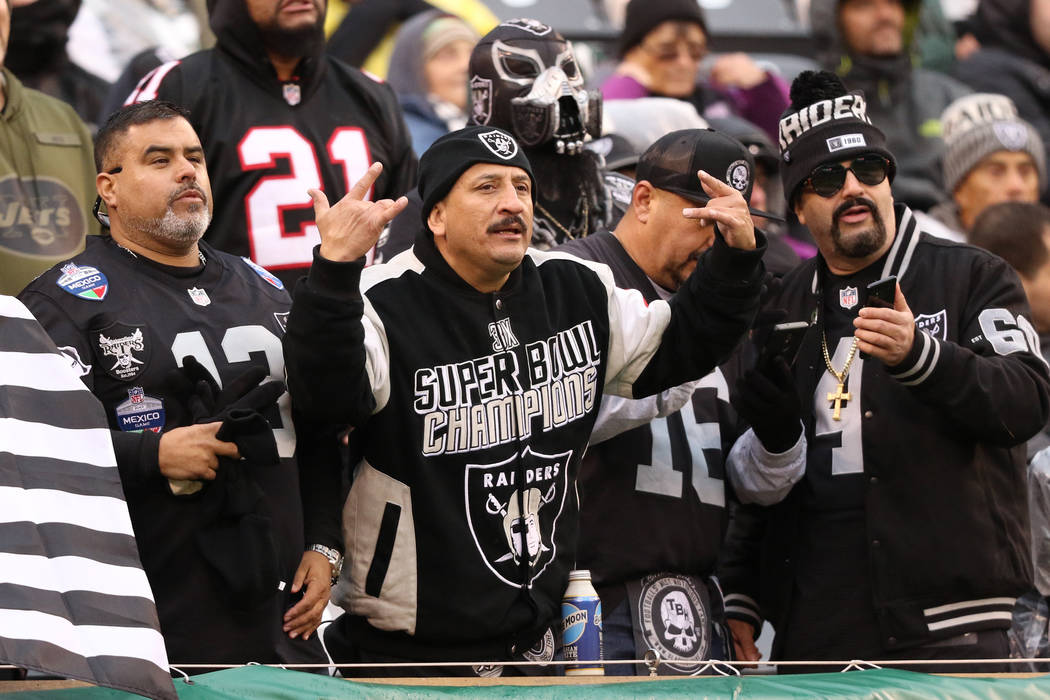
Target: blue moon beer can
point(581, 626)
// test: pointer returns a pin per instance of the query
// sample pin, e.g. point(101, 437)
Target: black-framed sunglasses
point(870, 168)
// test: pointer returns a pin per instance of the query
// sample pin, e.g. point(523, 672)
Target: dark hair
point(126, 117)
point(1014, 231)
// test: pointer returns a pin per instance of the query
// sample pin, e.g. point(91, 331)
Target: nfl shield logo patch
point(293, 94)
point(511, 522)
point(848, 297)
point(199, 296)
point(934, 324)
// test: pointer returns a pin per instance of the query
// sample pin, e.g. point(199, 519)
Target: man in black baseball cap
point(472, 368)
point(659, 459)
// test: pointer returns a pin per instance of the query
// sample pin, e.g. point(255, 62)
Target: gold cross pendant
point(838, 397)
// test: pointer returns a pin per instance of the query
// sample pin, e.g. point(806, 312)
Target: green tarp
point(264, 683)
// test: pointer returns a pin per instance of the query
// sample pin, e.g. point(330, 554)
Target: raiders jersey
point(126, 323)
point(668, 474)
point(267, 142)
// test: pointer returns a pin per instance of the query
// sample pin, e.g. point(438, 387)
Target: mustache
point(507, 222)
point(854, 202)
point(186, 188)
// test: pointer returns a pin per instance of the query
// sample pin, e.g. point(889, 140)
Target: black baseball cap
point(671, 164)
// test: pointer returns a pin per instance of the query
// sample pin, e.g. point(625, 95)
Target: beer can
point(581, 626)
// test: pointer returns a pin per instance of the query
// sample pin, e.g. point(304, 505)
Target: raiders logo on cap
point(500, 143)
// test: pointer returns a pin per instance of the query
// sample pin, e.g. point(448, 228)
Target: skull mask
point(524, 79)
point(677, 616)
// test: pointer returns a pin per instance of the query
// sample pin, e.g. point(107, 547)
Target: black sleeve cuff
point(138, 456)
point(335, 279)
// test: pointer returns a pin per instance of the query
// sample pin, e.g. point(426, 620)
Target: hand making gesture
point(728, 209)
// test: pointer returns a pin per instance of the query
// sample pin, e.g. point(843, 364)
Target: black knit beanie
point(643, 16)
point(455, 152)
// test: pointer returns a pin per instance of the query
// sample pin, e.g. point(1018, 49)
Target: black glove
point(198, 398)
point(770, 404)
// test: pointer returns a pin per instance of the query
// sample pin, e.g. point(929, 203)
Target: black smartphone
point(784, 341)
point(882, 292)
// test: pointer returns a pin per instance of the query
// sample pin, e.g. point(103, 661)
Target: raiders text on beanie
point(643, 16)
point(977, 125)
point(824, 124)
point(455, 152)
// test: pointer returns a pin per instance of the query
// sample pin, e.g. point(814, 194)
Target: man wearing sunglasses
point(906, 537)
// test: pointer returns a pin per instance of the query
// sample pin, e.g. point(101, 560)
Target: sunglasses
point(870, 169)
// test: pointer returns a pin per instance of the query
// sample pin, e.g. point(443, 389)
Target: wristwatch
point(332, 555)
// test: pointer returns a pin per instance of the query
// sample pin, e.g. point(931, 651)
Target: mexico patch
point(84, 282)
point(264, 273)
point(140, 412)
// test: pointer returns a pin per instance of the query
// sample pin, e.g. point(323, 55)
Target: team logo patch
point(502, 513)
point(848, 297)
point(543, 650)
point(124, 346)
point(738, 174)
point(501, 144)
point(934, 324)
point(264, 273)
point(85, 282)
point(839, 143)
point(480, 99)
point(292, 93)
point(140, 412)
point(1012, 135)
point(674, 619)
point(200, 297)
point(530, 25)
point(40, 217)
point(282, 320)
point(73, 355)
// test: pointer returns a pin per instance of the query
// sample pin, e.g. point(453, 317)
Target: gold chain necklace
point(839, 396)
point(567, 232)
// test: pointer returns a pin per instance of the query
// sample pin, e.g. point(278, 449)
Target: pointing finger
point(712, 185)
point(361, 187)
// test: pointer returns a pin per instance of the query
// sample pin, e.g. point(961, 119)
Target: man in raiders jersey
point(667, 473)
point(278, 116)
point(207, 463)
point(907, 536)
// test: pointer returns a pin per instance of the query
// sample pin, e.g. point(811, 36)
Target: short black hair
point(128, 116)
point(1015, 232)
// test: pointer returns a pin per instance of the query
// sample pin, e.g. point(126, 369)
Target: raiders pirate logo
point(123, 350)
point(674, 620)
point(511, 521)
point(480, 99)
point(848, 297)
point(1012, 135)
point(282, 320)
point(934, 324)
point(500, 143)
point(738, 174)
point(530, 25)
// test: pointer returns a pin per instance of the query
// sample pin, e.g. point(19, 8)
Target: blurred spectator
point(108, 33)
point(278, 116)
point(991, 155)
point(365, 36)
point(428, 71)
point(47, 177)
point(662, 44)
point(867, 43)
point(37, 55)
point(1014, 58)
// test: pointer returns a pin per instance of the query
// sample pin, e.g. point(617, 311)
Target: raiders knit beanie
point(643, 16)
point(975, 126)
point(455, 152)
point(824, 124)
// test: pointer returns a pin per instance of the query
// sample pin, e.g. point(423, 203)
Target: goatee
point(862, 243)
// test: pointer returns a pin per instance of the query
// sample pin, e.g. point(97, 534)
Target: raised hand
point(351, 227)
point(728, 209)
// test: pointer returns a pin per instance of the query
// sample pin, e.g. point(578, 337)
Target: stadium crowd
point(399, 311)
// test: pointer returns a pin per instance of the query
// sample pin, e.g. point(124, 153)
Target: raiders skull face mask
point(524, 79)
